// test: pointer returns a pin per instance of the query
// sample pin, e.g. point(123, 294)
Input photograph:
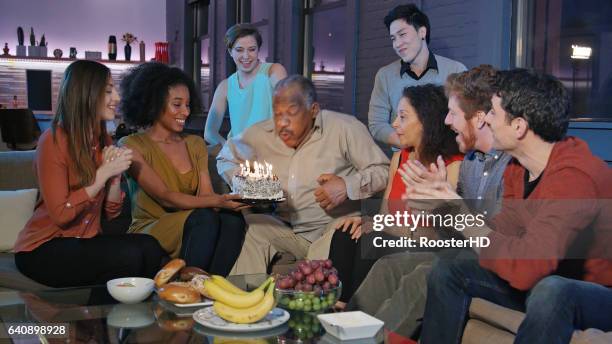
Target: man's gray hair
point(308, 91)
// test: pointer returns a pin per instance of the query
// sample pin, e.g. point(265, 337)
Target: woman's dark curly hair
point(144, 92)
point(431, 106)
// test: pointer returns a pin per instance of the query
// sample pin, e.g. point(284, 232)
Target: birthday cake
point(256, 183)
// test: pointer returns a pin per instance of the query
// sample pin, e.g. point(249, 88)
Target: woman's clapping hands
point(115, 160)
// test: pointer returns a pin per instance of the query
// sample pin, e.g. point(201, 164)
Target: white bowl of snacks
point(130, 289)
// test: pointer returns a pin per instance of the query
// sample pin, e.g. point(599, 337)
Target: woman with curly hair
point(173, 199)
point(424, 138)
point(79, 172)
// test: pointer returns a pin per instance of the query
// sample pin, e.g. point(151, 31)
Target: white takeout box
point(350, 325)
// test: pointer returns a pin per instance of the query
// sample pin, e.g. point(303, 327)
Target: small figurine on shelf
point(73, 53)
point(128, 38)
point(15, 102)
point(5, 50)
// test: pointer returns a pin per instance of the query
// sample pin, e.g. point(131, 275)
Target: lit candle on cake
point(258, 182)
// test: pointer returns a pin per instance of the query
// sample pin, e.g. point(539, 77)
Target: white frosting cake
point(257, 184)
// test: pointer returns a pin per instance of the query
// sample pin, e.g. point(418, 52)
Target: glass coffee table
point(91, 315)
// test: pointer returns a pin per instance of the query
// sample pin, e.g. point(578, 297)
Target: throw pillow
point(16, 208)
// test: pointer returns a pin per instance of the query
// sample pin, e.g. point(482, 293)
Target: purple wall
point(84, 24)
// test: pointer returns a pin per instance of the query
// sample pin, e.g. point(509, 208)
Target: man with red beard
point(549, 245)
point(480, 177)
point(395, 288)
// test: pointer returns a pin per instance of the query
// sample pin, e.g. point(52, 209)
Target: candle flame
point(260, 170)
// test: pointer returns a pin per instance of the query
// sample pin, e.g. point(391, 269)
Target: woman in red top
point(79, 172)
point(425, 138)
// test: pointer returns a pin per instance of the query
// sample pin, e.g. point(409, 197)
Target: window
point(325, 42)
point(571, 40)
point(39, 89)
point(205, 74)
point(258, 16)
point(259, 10)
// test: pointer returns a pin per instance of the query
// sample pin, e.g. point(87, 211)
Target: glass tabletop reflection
point(91, 315)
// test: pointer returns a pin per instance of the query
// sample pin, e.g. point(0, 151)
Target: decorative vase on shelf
point(20, 35)
point(21, 49)
point(112, 48)
point(141, 47)
point(128, 51)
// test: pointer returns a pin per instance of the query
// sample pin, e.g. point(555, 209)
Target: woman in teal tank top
point(248, 92)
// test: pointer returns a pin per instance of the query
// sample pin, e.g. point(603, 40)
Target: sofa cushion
point(11, 278)
point(496, 315)
point(591, 336)
point(17, 170)
point(491, 323)
point(16, 208)
point(478, 332)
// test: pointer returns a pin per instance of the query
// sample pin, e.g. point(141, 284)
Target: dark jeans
point(555, 306)
point(68, 262)
point(213, 240)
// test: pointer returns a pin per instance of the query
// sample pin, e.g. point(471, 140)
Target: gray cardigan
point(387, 92)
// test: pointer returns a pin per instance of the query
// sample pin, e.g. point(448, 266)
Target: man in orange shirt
point(549, 251)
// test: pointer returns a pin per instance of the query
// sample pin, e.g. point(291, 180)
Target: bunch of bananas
point(238, 306)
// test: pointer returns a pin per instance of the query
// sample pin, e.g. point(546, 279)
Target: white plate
point(198, 304)
point(207, 317)
point(185, 311)
point(205, 303)
point(273, 332)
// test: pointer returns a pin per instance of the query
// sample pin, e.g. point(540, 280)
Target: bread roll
point(181, 283)
point(187, 273)
point(178, 294)
point(178, 324)
point(197, 283)
point(171, 322)
point(169, 270)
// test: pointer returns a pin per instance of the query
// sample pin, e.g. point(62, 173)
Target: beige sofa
point(16, 172)
point(491, 323)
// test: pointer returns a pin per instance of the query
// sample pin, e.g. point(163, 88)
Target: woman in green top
point(173, 199)
point(248, 92)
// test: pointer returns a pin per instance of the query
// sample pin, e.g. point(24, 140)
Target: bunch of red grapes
point(311, 275)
